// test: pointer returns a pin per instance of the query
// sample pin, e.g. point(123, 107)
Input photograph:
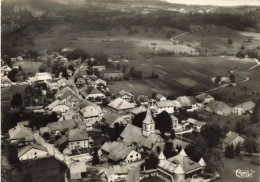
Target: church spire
point(148, 117)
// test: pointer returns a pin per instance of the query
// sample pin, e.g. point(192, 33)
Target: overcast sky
point(217, 2)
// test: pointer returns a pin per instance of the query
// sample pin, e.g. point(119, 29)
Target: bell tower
point(148, 123)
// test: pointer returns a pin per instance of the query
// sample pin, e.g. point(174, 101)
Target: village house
point(118, 152)
point(160, 97)
point(167, 105)
point(78, 138)
point(218, 107)
point(32, 151)
point(186, 101)
point(196, 107)
point(120, 106)
point(243, 108)
point(43, 77)
point(138, 110)
point(5, 82)
point(175, 123)
point(124, 172)
point(99, 68)
point(143, 139)
point(21, 135)
point(90, 114)
point(80, 82)
point(109, 119)
point(61, 108)
point(232, 138)
point(195, 124)
point(113, 74)
point(142, 100)
point(100, 82)
point(126, 96)
point(77, 170)
point(179, 167)
point(94, 94)
point(204, 98)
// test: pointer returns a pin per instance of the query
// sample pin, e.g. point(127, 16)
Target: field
point(179, 74)
point(230, 165)
point(28, 66)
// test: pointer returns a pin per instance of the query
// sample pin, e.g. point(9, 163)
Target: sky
point(217, 2)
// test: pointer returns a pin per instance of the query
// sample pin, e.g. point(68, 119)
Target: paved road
point(246, 78)
point(172, 39)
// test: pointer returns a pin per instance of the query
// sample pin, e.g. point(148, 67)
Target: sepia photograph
point(130, 90)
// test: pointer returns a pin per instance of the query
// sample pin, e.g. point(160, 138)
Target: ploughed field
point(177, 75)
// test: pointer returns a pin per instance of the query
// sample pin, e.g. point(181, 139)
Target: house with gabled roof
point(204, 98)
point(90, 115)
point(118, 152)
point(138, 110)
point(186, 101)
point(232, 138)
point(160, 97)
point(93, 94)
point(180, 167)
point(195, 124)
point(109, 119)
point(243, 108)
point(21, 135)
point(78, 138)
point(120, 106)
point(32, 151)
point(165, 105)
point(142, 100)
point(126, 96)
point(219, 107)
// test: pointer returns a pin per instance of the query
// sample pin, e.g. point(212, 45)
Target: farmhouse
point(21, 135)
point(118, 152)
point(120, 106)
point(32, 151)
point(232, 138)
point(94, 94)
point(142, 99)
point(78, 138)
point(243, 108)
point(5, 82)
point(186, 101)
point(218, 107)
point(138, 110)
point(126, 96)
point(111, 118)
point(45, 77)
point(77, 170)
point(165, 105)
point(160, 97)
point(99, 68)
point(143, 139)
point(195, 124)
point(90, 114)
point(175, 123)
point(179, 167)
point(204, 98)
point(112, 74)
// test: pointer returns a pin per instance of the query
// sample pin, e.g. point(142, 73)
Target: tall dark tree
point(232, 78)
point(230, 41)
point(229, 151)
point(12, 156)
point(16, 100)
point(20, 68)
point(169, 150)
point(217, 80)
point(151, 162)
point(138, 119)
point(11, 75)
point(211, 133)
point(95, 159)
point(255, 117)
point(250, 145)
point(240, 127)
point(163, 122)
point(237, 149)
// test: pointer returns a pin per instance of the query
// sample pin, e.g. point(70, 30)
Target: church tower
point(148, 123)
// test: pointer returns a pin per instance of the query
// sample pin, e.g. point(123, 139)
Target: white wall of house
point(175, 124)
point(61, 108)
point(33, 154)
point(207, 100)
point(78, 144)
point(132, 157)
point(238, 111)
point(114, 177)
point(95, 95)
point(170, 110)
point(238, 140)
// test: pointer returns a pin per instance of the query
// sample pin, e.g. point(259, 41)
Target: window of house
point(77, 142)
point(35, 153)
point(131, 156)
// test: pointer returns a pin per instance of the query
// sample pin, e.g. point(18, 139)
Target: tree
point(229, 151)
point(240, 127)
point(124, 69)
point(230, 41)
point(152, 162)
point(12, 156)
point(95, 159)
point(65, 73)
point(42, 68)
point(27, 177)
point(232, 78)
point(250, 145)
point(211, 133)
point(118, 66)
point(16, 100)
point(168, 150)
point(217, 80)
point(172, 136)
point(54, 117)
point(213, 160)
point(46, 136)
point(242, 47)
point(255, 117)
point(237, 149)
point(71, 67)
point(201, 147)
point(20, 68)
point(163, 122)
point(11, 75)
point(138, 119)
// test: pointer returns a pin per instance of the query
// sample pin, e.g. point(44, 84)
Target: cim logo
point(244, 173)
